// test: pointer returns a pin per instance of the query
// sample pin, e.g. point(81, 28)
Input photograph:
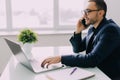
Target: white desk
point(15, 71)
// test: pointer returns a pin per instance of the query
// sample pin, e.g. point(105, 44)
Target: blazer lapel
point(88, 39)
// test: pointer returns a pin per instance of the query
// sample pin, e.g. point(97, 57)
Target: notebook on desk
point(32, 64)
point(73, 73)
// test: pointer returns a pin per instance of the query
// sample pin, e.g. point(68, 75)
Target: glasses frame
point(87, 11)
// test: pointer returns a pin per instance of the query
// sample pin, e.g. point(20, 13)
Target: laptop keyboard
point(37, 66)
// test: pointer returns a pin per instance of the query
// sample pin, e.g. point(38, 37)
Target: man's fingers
point(50, 61)
point(44, 62)
point(48, 65)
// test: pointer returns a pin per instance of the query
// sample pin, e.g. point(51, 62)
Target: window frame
point(56, 25)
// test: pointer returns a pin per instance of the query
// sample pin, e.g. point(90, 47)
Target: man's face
point(91, 13)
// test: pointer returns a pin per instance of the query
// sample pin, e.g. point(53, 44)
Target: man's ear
point(101, 12)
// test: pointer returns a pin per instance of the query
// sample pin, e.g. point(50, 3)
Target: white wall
point(47, 39)
point(113, 10)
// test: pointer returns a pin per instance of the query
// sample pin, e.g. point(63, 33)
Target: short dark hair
point(101, 5)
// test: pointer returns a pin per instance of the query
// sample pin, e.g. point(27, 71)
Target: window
point(2, 14)
point(32, 13)
point(70, 11)
point(40, 14)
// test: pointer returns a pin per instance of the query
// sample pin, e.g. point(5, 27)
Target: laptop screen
point(18, 53)
point(5, 55)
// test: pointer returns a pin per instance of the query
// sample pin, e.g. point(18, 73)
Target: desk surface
point(15, 71)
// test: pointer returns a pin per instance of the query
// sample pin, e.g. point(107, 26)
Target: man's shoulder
point(110, 24)
point(110, 27)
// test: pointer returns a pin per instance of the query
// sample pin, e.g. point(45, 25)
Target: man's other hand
point(51, 60)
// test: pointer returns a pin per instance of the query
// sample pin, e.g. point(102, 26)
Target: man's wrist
point(59, 58)
point(77, 32)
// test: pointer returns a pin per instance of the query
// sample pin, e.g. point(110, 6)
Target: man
point(102, 43)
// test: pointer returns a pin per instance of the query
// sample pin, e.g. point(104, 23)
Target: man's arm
point(107, 42)
point(76, 40)
point(78, 44)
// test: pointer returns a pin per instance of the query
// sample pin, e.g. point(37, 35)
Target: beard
point(92, 21)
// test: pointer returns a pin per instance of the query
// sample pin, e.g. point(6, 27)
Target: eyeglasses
point(87, 11)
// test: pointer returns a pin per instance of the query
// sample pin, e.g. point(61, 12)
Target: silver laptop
point(33, 64)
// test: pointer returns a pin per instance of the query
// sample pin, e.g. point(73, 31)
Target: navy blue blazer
point(105, 53)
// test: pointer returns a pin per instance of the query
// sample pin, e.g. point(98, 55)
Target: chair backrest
point(5, 55)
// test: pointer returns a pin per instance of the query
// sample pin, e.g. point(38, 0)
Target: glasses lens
point(84, 12)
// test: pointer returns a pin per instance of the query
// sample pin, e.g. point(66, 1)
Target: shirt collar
point(96, 30)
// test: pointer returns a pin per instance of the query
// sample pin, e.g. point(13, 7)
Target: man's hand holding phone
point(81, 25)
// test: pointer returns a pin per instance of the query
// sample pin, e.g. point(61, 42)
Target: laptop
point(32, 64)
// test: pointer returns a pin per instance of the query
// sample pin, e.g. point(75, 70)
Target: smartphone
point(84, 23)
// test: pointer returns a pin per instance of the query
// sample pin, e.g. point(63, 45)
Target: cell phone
point(84, 23)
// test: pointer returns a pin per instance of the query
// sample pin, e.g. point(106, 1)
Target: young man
point(102, 43)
